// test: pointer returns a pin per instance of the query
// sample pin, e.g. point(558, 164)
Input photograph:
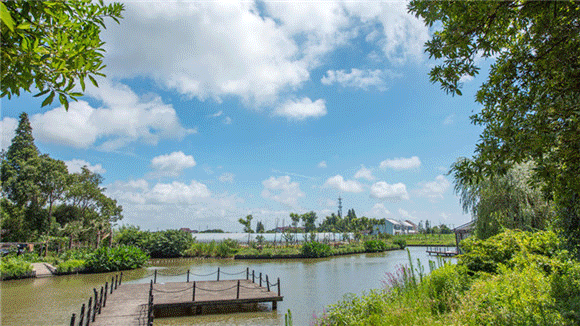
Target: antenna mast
point(339, 207)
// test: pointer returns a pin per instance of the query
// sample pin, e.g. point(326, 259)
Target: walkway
point(43, 269)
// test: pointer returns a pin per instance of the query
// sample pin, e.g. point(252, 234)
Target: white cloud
point(227, 177)
point(175, 193)
point(282, 190)
point(322, 164)
point(255, 51)
point(302, 109)
point(435, 189)
point(227, 120)
point(357, 78)
point(172, 164)
point(401, 163)
point(338, 182)
point(406, 215)
point(75, 165)
point(378, 211)
point(395, 192)
point(217, 114)
point(8, 126)
point(364, 173)
point(124, 119)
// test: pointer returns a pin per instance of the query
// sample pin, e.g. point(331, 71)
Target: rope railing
point(174, 291)
point(94, 307)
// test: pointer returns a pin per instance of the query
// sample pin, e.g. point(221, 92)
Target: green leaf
point(42, 93)
point(93, 81)
point(48, 100)
point(5, 17)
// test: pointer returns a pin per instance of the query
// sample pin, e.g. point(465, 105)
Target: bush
point(566, 291)
point(315, 250)
point(445, 286)
point(513, 297)
point(71, 266)
point(167, 244)
point(375, 245)
point(14, 268)
point(400, 242)
point(227, 248)
point(116, 259)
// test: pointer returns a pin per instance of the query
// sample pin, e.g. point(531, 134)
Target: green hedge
point(119, 258)
point(316, 250)
point(14, 268)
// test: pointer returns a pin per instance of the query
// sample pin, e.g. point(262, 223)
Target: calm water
point(307, 286)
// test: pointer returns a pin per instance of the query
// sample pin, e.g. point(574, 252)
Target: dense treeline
point(42, 201)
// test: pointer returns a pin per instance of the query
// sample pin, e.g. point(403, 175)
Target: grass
point(428, 239)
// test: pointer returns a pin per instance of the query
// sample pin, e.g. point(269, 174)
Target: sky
point(212, 111)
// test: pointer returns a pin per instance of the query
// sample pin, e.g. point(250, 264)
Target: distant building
point(462, 232)
point(188, 230)
point(415, 227)
point(394, 227)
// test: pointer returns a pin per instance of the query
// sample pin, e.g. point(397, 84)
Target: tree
point(531, 98)
point(259, 227)
point(247, 223)
point(49, 45)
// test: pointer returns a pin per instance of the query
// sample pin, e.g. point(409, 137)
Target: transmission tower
point(339, 207)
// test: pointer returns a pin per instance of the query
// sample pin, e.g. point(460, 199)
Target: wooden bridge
point(442, 251)
point(138, 304)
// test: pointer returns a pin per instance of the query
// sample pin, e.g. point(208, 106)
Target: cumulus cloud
point(8, 126)
point(395, 192)
point(435, 189)
point(338, 182)
point(227, 120)
point(406, 215)
point(282, 190)
point(322, 164)
point(357, 78)
point(125, 118)
point(175, 193)
point(401, 163)
point(252, 50)
point(172, 165)
point(302, 109)
point(364, 173)
point(227, 177)
point(75, 165)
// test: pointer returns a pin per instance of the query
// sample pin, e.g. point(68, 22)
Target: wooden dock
point(137, 304)
point(442, 251)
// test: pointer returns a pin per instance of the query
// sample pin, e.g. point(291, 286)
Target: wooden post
point(188, 276)
point(95, 304)
point(193, 296)
point(82, 315)
point(112, 281)
point(260, 279)
point(238, 293)
point(247, 273)
point(106, 290)
point(218, 274)
point(101, 301)
point(116, 280)
point(267, 283)
point(253, 276)
point(120, 278)
point(155, 278)
point(278, 286)
point(274, 305)
point(72, 320)
point(89, 310)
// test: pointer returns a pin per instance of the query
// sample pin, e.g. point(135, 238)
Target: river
point(308, 285)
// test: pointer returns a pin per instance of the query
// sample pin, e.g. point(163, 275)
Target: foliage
point(531, 103)
point(315, 250)
point(71, 266)
point(50, 45)
point(119, 258)
point(259, 227)
point(12, 267)
point(488, 255)
point(375, 245)
point(445, 286)
point(402, 243)
point(167, 244)
point(503, 201)
point(130, 235)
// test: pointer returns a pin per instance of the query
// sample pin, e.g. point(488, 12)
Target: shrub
point(400, 242)
point(375, 245)
point(71, 266)
point(513, 297)
point(14, 268)
point(116, 259)
point(445, 286)
point(227, 248)
point(315, 250)
point(167, 244)
point(566, 291)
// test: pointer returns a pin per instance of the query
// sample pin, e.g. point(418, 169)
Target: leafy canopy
point(50, 45)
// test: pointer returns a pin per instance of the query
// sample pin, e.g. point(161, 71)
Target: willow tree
point(531, 98)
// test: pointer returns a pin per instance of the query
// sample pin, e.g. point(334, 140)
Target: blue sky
point(212, 111)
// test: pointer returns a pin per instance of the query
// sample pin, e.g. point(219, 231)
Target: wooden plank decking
point(441, 251)
point(128, 305)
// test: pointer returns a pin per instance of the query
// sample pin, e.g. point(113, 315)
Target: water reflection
point(307, 285)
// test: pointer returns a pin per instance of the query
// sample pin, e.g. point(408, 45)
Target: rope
point(233, 287)
point(233, 273)
point(202, 274)
point(176, 291)
point(252, 287)
point(169, 274)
